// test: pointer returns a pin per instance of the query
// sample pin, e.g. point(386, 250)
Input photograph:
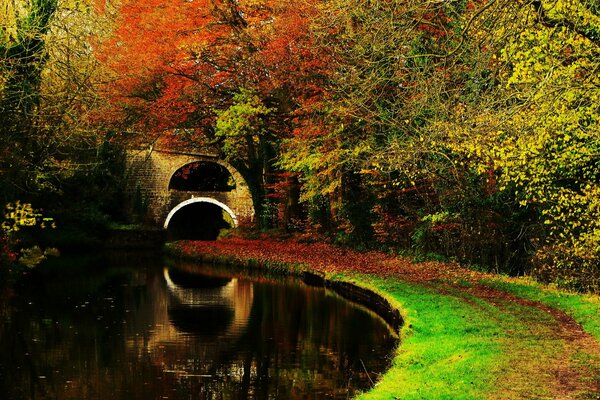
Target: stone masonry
point(150, 171)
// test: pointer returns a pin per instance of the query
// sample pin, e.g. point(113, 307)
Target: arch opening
point(202, 176)
point(199, 219)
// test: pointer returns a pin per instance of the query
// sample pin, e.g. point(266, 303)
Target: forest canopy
point(467, 128)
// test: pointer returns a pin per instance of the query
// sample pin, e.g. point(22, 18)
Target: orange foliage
point(175, 62)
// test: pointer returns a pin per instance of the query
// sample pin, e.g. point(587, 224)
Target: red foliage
point(175, 61)
point(280, 185)
point(5, 250)
point(149, 53)
point(436, 24)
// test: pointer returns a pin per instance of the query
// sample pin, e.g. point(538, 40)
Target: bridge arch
point(180, 163)
point(208, 176)
point(200, 200)
point(151, 172)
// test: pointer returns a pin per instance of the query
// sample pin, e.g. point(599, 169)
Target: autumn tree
point(47, 87)
point(475, 117)
point(23, 58)
point(221, 79)
point(52, 158)
point(538, 128)
point(466, 127)
point(368, 133)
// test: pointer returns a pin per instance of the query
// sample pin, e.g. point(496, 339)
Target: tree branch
point(551, 22)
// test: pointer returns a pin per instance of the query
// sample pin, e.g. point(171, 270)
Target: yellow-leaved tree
point(538, 129)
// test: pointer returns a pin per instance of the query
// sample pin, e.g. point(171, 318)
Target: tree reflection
point(184, 333)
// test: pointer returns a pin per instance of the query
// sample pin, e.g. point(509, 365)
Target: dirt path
point(552, 352)
point(550, 355)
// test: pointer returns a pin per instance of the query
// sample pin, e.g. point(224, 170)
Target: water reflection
point(112, 331)
point(202, 304)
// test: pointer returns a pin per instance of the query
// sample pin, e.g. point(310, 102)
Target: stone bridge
point(166, 182)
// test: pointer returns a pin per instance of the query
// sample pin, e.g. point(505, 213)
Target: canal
point(136, 327)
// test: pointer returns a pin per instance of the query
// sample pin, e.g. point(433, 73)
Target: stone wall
point(149, 173)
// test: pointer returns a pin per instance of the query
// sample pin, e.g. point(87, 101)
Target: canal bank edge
point(350, 291)
point(392, 384)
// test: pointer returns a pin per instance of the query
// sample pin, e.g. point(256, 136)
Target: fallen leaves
point(327, 258)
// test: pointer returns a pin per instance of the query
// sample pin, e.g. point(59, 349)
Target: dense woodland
point(467, 129)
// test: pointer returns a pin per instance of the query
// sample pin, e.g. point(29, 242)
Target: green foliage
point(22, 58)
point(424, 231)
point(539, 129)
point(242, 125)
point(46, 92)
point(243, 131)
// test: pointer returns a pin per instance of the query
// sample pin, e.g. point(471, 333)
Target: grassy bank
point(467, 335)
point(444, 351)
point(458, 345)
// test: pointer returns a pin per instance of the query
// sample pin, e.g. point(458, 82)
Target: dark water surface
point(140, 328)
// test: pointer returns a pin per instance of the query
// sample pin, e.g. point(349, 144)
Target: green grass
point(455, 345)
point(585, 309)
point(449, 349)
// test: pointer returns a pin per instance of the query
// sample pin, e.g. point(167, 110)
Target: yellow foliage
point(543, 133)
point(18, 215)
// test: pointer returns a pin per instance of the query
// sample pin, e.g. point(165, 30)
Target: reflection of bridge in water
point(207, 332)
point(197, 322)
point(209, 302)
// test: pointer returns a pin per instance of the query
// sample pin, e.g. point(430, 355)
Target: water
point(115, 328)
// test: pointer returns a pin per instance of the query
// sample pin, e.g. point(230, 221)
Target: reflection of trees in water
point(318, 343)
point(129, 341)
point(69, 342)
point(314, 346)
